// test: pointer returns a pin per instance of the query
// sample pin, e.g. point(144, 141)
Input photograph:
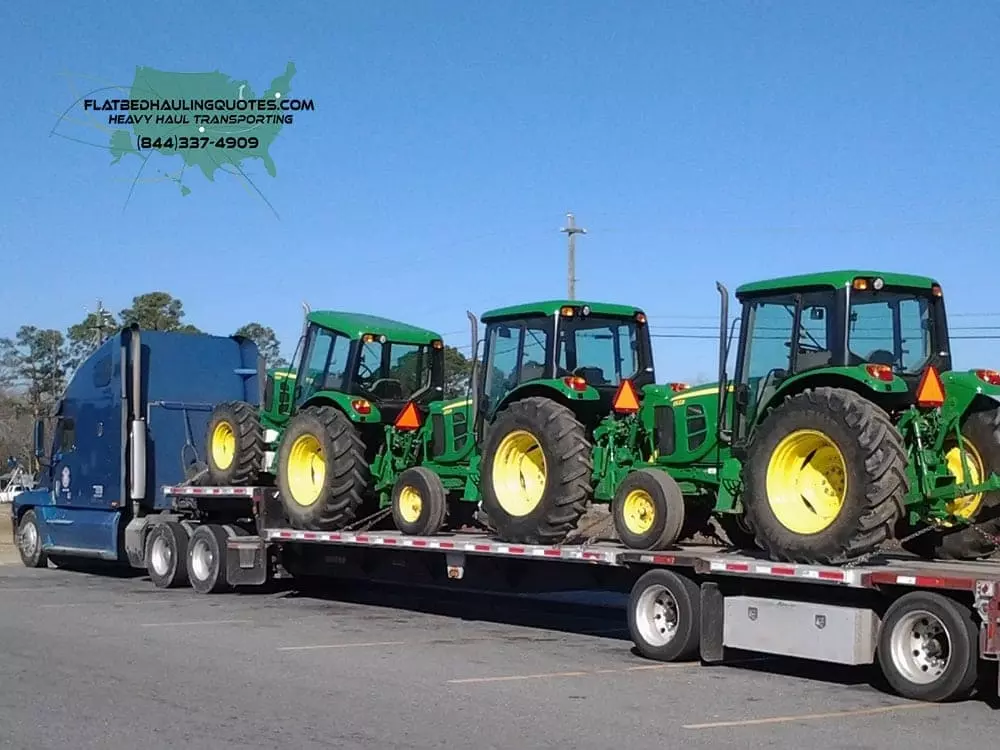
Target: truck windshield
point(602, 350)
point(392, 371)
point(891, 327)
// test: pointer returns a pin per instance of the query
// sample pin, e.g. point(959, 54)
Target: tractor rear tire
point(648, 510)
point(981, 429)
point(419, 502)
point(536, 472)
point(234, 444)
point(844, 505)
point(323, 476)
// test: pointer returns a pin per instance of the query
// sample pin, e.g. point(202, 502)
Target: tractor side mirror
point(741, 397)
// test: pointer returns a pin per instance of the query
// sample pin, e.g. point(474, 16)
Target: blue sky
point(695, 142)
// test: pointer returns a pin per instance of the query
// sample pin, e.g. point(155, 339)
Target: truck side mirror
point(39, 438)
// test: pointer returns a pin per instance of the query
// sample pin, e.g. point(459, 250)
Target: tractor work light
point(640, 317)
point(575, 382)
point(679, 387)
point(989, 376)
point(361, 406)
point(585, 310)
point(936, 290)
point(566, 311)
point(878, 284)
point(860, 284)
point(880, 372)
point(437, 344)
point(368, 338)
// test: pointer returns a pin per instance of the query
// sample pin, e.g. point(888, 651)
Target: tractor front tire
point(648, 510)
point(234, 444)
point(536, 472)
point(825, 478)
point(419, 502)
point(981, 436)
point(323, 476)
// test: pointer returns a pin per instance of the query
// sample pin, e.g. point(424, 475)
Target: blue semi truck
point(132, 419)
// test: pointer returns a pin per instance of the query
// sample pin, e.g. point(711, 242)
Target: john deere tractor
point(844, 426)
point(521, 445)
point(322, 420)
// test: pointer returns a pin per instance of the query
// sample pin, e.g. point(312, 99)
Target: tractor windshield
point(891, 327)
point(602, 350)
point(391, 371)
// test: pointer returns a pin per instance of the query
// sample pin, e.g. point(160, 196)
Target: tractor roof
point(551, 307)
point(833, 279)
point(355, 325)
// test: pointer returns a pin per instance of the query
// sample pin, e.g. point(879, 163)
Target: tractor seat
point(593, 375)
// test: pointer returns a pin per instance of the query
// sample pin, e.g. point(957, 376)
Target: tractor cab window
point(602, 350)
point(890, 328)
point(517, 352)
point(393, 371)
point(324, 362)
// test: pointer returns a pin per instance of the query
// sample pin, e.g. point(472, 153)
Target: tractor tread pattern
point(883, 474)
point(249, 443)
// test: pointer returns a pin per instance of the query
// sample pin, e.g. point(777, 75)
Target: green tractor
point(844, 426)
point(322, 421)
point(520, 447)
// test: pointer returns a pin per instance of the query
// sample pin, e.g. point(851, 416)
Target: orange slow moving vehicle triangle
point(930, 392)
point(626, 399)
point(409, 418)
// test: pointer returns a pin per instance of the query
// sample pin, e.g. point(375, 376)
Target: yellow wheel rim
point(967, 506)
point(806, 482)
point(519, 473)
point(638, 511)
point(410, 504)
point(223, 445)
point(306, 470)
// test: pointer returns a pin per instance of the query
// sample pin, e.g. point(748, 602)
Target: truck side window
point(67, 435)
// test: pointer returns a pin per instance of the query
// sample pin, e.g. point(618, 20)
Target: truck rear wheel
point(536, 472)
point(322, 472)
point(928, 647)
point(419, 502)
point(981, 440)
point(206, 559)
point(664, 616)
point(166, 555)
point(648, 510)
point(234, 444)
point(825, 478)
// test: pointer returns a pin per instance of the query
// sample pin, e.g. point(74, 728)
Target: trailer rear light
point(626, 399)
point(880, 372)
point(679, 387)
point(361, 406)
point(575, 382)
point(989, 376)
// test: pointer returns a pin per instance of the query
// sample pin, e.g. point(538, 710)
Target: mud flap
point(246, 561)
point(135, 541)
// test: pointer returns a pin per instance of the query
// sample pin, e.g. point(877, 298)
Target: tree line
point(36, 363)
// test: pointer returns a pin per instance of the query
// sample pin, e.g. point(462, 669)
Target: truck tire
point(664, 616)
point(536, 472)
point(322, 472)
point(206, 559)
point(928, 647)
point(234, 444)
point(166, 555)
point(648, 510)
point(419, 502)
point(981, 438)
point(29, 541)
point(847, 502)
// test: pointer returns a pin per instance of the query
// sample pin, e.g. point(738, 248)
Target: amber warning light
point(930, 392)
point(626, 399)
point(409, 418)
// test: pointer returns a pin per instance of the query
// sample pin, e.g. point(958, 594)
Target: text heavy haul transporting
point(929, 626)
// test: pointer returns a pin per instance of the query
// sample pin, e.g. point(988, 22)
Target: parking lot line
point(342, 645)
point(576, 673)
point(811, 717)
point(193, 622)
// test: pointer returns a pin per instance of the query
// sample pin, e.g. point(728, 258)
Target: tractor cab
point(582, 349)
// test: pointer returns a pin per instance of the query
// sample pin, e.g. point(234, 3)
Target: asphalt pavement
point(95, 661)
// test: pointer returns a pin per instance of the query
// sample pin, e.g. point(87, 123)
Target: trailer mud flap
point(246, 561)
point(712, 621)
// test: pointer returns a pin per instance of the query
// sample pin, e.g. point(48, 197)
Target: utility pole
point(101, 324)
point(571, 230)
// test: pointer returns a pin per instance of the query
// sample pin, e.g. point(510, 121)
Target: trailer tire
point(234, 444)
point(166, 555)
point(206, 559)
point(29, 541)
point(906, 655)
point(648, 510)
point(855, 456)
point(322, 437)
point(664, 616)
point(419, 502)
point(560, 481)
point(981, 430)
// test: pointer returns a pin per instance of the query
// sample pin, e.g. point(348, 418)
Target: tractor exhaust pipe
point(473, 385)
point(723, 358)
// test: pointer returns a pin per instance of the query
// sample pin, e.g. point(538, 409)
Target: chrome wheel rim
point(656, 615)
point(202, 560)
point(161, 556)
point(27, 539)
point(921, 647)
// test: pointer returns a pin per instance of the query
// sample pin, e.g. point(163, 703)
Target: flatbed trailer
point(929, 625)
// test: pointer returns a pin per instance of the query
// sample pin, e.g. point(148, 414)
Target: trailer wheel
point(928, 647)
point(206, 560)
point(234, 444)
point(166, 555)
point(419, 502)
point(648, 510)
point(29, 542)
point(664, 616)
